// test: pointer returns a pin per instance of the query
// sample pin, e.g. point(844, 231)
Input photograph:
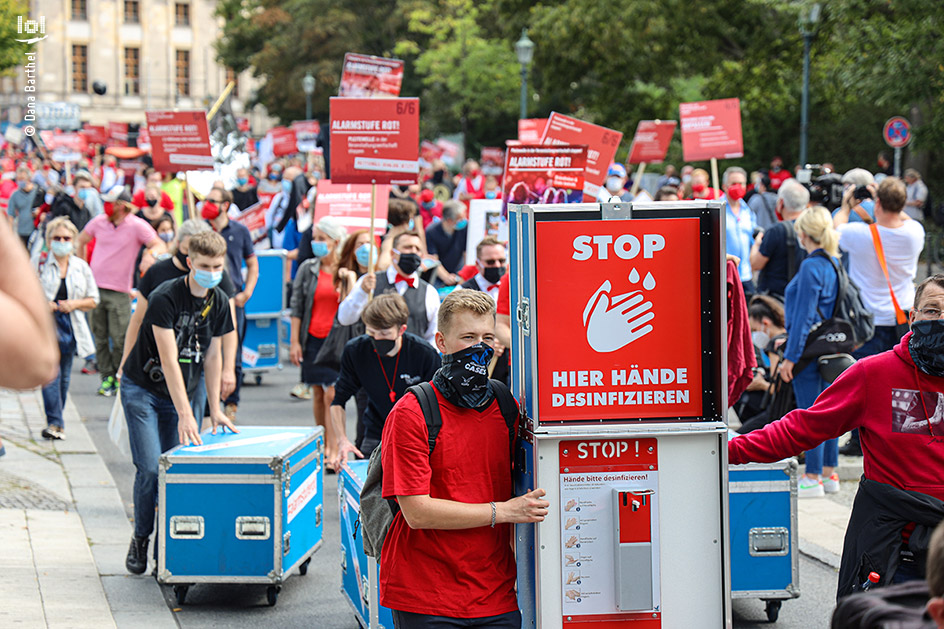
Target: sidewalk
point(64, 530)
point(822, 521)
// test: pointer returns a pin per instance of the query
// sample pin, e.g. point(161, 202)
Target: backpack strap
point(790, 240)
point(841, 283)
point(509, 410)
point(429, 404)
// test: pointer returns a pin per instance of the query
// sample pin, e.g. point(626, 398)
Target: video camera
point(825, 189)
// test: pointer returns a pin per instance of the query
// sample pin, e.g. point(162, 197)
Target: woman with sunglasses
point(70, 288)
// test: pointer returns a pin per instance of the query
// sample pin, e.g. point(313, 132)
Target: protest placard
point(530, 130)
point(306, 135)
point(350, 204)
point(711, 129)
point(375, 141)
point(366, 76)
point(283, 141)
point(180, 140)
point(601, 147)
point(543, 174)
point(651, 141)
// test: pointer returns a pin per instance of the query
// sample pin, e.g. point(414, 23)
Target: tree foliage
point(12, 52)
point(615, 62)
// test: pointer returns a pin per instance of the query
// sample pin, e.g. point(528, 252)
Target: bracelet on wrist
point(493, 513)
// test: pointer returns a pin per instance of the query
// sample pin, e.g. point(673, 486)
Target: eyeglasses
point(498, 262)
point(62, 238)
point(930, 313)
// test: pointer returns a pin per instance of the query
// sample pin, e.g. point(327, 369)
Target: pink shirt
point(116, 249)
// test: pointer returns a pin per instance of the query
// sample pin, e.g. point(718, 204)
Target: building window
point(182, 14)
point(132, 12)
point(183, 73)
point(132, 71)
point(80, 68)
point(232, 76)
point(79, 9)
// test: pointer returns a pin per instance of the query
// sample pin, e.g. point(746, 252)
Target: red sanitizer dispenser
point(633, 554)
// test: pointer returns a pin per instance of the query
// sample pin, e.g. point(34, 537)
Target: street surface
point(315, 600)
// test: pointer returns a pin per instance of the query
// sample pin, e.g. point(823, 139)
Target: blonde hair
point(209, 244)
point(465, 300)
point(61, 221)
point(817, 224)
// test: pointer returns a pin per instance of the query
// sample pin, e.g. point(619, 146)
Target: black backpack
point(377, 513)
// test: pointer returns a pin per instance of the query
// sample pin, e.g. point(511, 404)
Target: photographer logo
point(31, 27)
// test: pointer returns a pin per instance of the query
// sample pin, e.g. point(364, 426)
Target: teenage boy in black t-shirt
point(181, 332)
point(385, 361)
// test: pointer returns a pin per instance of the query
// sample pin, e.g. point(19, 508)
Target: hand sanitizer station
point(619, 360)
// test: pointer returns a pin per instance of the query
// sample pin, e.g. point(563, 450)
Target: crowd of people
point(372, 316)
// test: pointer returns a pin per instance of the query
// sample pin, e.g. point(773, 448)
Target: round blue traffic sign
point(897, 132)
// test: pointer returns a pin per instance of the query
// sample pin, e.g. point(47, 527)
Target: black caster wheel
point(272, 594)
point(773, 610)
point(303, 569)
point(258, 380)
point(180, 593)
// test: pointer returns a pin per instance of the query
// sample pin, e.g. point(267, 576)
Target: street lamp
point(807, 30)
point(524, 48)
point(308, 84)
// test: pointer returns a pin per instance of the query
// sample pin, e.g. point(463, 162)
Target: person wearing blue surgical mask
point(244, 193)
point(24, 199)
point(314, 305)
point(445, 242)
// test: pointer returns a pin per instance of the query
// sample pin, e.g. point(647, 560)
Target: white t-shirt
point(902, 246)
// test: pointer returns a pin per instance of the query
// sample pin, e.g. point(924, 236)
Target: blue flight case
point(763, 511)
point(261, 346)
point(241, 508)
point(359, 574)
point(263, 339)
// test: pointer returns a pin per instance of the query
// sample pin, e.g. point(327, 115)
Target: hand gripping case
point(359, 574)
point(241, 508)
point(763, 536)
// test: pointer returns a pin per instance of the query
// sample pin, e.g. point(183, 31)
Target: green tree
point(12, 52)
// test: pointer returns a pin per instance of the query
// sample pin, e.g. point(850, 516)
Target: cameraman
point(858, 204)
point(182, 329)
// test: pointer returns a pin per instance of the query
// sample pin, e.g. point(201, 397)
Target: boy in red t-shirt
point(448, 554)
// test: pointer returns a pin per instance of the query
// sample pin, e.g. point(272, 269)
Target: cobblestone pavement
point(19, 493)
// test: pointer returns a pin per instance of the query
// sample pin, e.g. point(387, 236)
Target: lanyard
point(392, 380)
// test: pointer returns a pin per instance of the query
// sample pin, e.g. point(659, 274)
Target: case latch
point(523, 316)
point(769, 542)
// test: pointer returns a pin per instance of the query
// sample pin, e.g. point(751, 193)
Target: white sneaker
point(810, 488)
point(831, 484)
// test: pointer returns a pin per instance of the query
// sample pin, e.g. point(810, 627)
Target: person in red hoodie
point(896, 400)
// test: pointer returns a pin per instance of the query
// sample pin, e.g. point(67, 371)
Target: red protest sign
point(543, 174)
point(283, 141)
point(180, 140)
point(492, 160)
point(117, 134)
point(375, 141)
point(144, 138)
point(253, 217)
point(366, 76)
point(651, 141)
point(711, 128)
point(243, 124)
point(601, 147)
point(69, 142)
point(530, 130)
point(350, 204)
point(95, 134)
point(632, 292)
point(430, 152)
point(306, 134)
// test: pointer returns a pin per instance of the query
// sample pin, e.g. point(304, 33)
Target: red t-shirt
point(777, 178)
point(140, 200)
point(467, 573)
point(324, 306)
point(504, 296)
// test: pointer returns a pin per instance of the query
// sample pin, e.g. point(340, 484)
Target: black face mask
point(152, 202)
point(409, 262)
point(926, 346)
point(493, 273)
point(383, 346)
point(463, 377)
point(182, 258)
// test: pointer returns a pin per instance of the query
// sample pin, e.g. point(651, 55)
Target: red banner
point(651, 141)
point(366, 76)
point(543, 174)
point(283, 141)
point(95, 134)
point(350, 204)
point(242, 124)
point(180, 140)
point(375, 141)
point(601, 147)
point(492, 161)
point(253, 217)
point(711, 128)
point(306, 135)
point(530, 130)
point(144, 138)
point(430, 152)
point(117, 134)
point(70, 142)
point(633, 295)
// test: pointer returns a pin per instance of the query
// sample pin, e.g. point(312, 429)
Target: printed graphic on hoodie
point(917, 412)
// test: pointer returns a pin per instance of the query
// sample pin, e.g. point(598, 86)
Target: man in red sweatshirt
point(896, 400)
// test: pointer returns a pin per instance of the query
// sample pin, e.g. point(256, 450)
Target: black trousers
point(407, 620)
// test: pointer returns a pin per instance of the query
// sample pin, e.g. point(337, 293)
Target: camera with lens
point(153, 370)
point(862, 193)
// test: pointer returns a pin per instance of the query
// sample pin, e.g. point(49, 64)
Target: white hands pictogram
point(613, 322)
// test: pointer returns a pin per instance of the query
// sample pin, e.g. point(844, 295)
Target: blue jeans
point(883, 340)
point(241, 333)
point(198, 403)
point(54, 393)
point(152, 430)
point(807, 385)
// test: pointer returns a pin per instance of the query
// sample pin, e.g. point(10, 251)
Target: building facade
point(149, 54)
